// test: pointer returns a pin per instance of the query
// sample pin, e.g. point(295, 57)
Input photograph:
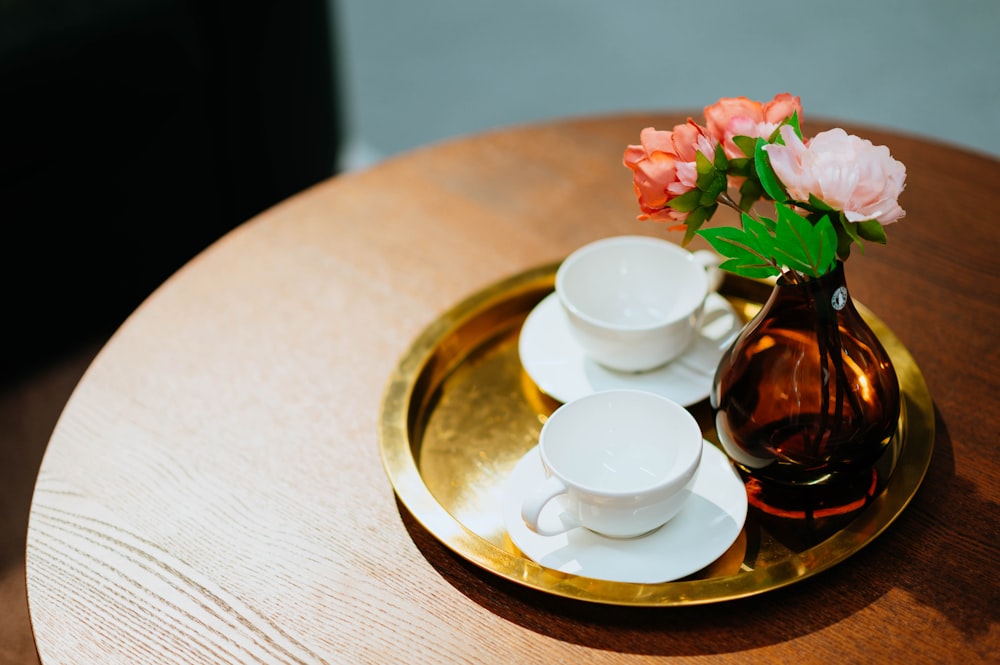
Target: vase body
point(807, 399)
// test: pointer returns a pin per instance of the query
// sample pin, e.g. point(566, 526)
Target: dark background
point(133, 133)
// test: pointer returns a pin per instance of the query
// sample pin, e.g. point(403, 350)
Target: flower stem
point(727, 200)
point(792, 276)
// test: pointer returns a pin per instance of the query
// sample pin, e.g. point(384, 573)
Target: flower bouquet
point(829, 192)
point(806, 398)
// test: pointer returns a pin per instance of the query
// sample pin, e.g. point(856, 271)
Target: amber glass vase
point(807, 401)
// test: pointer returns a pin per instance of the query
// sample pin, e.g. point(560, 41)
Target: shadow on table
point(928, 526)
point(29, 408)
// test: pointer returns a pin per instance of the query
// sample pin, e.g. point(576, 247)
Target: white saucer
point(706, 527)
point(558, 367)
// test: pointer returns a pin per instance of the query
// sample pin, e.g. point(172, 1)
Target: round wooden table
point(214, 492)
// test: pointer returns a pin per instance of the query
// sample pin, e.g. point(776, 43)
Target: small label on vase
point(839, 298)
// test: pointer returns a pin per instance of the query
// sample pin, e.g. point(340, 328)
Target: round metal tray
point(459, 412)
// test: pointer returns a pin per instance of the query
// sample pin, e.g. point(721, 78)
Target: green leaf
point(794, 245)
point(762, 234)
point(709, 195)
point(847, 234)
point(844, 248)
point(711, 181)
point(721, 162)
point(750, 192)
point(741, 166)
point(703, 164)
point(738, 267)
point(686, 202)
point(747, 144)
point(817, 204)
point(732, 242)
point(827, 246)
point(770, 224)
point(803, 247)
point(794, 122)
point(768, 180)
point(873, 231)
point(706, 171)
point(695, 220)
point(743, 249)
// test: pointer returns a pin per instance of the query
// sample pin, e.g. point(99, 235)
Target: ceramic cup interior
point(634, 302)
point(623, 461)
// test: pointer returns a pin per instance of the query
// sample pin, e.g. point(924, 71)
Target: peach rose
point(663, 167)
point(739, 116)
point(843, 171)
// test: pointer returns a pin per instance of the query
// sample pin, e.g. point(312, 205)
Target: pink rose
point(843, 171)
point(739, 116)
point(663, 167)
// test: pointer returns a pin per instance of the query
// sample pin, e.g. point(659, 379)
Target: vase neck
point(826, 294)
point(832, 279)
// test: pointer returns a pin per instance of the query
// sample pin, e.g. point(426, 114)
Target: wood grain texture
point(213, 491)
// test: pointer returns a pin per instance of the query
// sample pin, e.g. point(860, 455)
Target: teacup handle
point(710, 261)
point(534, 502)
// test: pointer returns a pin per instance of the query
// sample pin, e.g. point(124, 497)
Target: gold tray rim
point(404, 474)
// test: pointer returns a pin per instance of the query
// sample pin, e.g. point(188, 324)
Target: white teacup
point(624, 461)
point(635, 303)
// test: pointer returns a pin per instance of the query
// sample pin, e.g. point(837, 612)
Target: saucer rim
point(562, 392)
point(715, 488)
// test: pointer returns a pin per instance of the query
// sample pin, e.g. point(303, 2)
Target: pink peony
point(663, 167)
point(843, 171)
point(739, 116)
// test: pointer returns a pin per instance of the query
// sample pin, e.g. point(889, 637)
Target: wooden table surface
point(213, 491)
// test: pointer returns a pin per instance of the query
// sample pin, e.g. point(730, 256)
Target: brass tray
point(459, 412)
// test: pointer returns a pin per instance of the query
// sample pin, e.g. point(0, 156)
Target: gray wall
point(423, 70)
